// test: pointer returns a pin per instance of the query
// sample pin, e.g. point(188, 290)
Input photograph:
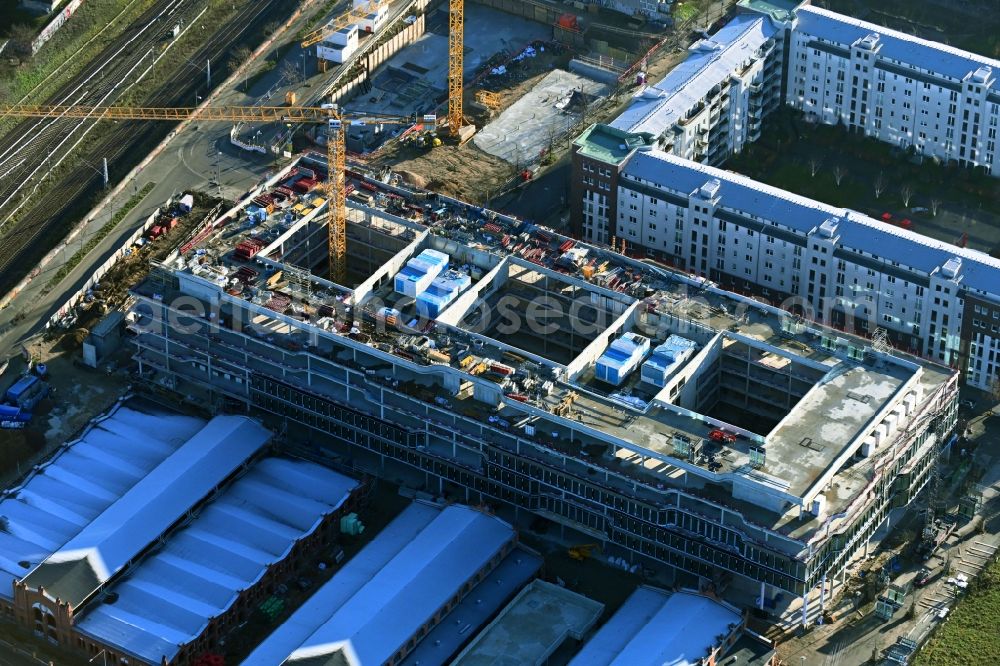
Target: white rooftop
point(145, 511)
point(67, 492)
point(656, 627)
point(168, 600)
point(711, 62)
point(381, 597)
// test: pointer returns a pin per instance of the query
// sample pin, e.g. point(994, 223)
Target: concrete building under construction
point(767, 453)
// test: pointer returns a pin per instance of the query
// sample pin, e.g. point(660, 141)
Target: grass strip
point(969, 635)
point(73, 46)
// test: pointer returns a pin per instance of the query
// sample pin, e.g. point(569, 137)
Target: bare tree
point(814, 164)
point(838, 174)
point(21, 36)
point(239, 56)
point(935, 204)
point(906, 192)
point(291, 73)
point(880, 184)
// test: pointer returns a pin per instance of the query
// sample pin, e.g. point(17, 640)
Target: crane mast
point(336, 147)
point(456, 60)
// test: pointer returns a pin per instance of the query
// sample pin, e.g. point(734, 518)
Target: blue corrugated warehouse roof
point(654, 626)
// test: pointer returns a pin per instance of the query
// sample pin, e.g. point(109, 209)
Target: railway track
point(45, 217)
point(33, 145)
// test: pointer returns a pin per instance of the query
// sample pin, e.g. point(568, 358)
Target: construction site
point(484, 344)
point(359, 372)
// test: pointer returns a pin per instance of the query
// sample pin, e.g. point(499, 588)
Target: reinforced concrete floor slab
point(531, 123)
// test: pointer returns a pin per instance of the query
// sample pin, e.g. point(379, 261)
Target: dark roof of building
point(748, 651)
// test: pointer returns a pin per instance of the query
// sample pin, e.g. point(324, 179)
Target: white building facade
point(937, 100)
point(834, 265)
point(845, 269)
point(712, 104)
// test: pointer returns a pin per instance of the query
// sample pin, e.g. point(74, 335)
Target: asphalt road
point(33, 147)
point(193, 159)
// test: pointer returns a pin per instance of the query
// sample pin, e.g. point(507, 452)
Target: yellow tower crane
point(456, 50)
point(456, 60)
point(336, 149)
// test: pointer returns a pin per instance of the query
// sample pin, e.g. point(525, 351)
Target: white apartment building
point(835, 265)
point(709, 106)
point(642, 179)
point(913, 93)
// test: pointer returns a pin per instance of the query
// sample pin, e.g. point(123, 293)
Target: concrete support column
point(805, 609)
point(760, 601)
point(822, 599)
point(452, 383)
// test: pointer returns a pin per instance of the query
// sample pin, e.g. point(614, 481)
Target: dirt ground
point(468, 173)
point(77, 394)
point(464, 172)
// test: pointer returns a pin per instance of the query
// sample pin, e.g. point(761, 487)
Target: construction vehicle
point(719, 435)
point(565, 406)
point(336, 149)
point(489, 99)
point(582, 552)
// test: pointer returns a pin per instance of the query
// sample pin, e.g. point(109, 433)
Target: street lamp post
point(218, 172)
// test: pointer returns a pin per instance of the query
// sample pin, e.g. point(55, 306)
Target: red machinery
point(248, 249)
point(719, 435)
